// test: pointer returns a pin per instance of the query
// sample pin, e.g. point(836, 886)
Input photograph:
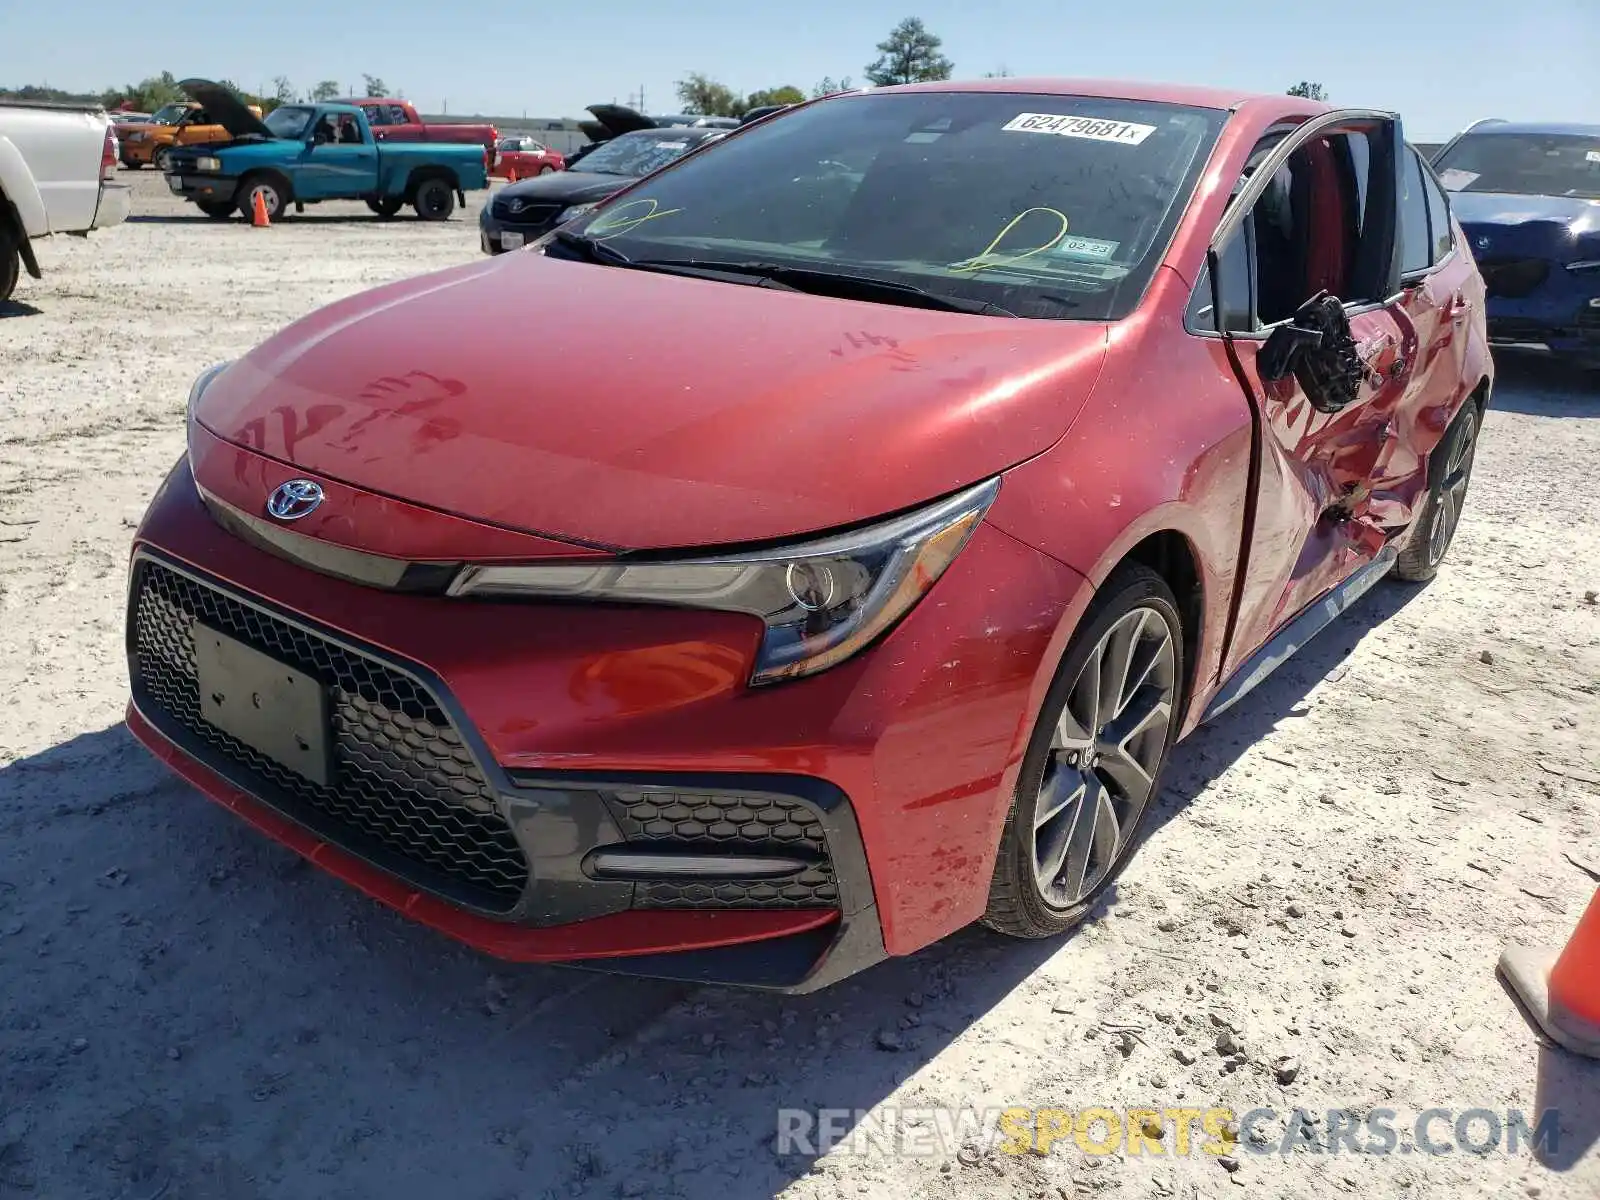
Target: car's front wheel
point(1450, 470)
point(162, 159)
point(1094, 763)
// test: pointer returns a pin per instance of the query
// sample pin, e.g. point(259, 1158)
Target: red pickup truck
point(397, 121)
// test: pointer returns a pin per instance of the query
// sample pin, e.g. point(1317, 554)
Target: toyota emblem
point(295, 499)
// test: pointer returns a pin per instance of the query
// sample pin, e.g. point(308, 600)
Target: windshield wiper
point(595, 251)
point(858, 287)
point(782, 276)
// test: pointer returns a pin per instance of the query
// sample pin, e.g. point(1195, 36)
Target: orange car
point(150, 144)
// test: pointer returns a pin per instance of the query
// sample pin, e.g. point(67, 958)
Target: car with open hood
point(526, 210)
point(915, 469)
point(1528, 196)
point(197, 122)
point(308, 153)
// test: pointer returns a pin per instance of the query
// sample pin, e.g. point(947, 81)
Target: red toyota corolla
point(918, 465)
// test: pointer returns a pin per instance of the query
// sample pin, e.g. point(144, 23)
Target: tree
point(827, 87)
point(375, 85)
point(1311, 91)
point(703, 96)
point(325, 91)
point(777, 95)
point(1001, 72)
point(910, 54)
point(283, 91)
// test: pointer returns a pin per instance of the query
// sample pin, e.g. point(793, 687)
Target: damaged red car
point(968, 445)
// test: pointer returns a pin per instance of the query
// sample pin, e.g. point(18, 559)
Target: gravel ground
point(188, 1011)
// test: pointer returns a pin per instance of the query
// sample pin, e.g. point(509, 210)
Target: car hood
point(566, 187)
point(636, 410)
point(1503, 208)
point(225, 108)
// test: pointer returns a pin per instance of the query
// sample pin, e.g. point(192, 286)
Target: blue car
point(1528, 199)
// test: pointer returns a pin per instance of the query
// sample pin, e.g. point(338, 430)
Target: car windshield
point(1523, 164)
point(168, 114)
point(635, 154)
point(290, 121)
point(1042, 205)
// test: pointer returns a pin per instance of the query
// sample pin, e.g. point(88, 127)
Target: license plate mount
point(511, 241)
point(272, 708)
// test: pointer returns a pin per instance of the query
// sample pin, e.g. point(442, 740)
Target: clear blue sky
point(1440, 63)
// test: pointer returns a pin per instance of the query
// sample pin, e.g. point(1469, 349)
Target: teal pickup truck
point(304, 153)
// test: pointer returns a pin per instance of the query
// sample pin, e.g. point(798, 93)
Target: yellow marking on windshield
point(611, 224)
point(982, 260)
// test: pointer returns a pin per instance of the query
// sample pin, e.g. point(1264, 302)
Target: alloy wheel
point(1105, 753)
point(1452, 492)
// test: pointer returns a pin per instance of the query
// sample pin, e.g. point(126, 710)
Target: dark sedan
point(525, 211)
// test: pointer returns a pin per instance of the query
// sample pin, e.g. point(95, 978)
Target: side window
point(379, 114)
point(1444, 240)
point(1238, 306)
point(1416, 245)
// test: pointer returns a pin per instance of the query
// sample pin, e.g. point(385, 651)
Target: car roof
point(1535, 127)
point(1110, 89)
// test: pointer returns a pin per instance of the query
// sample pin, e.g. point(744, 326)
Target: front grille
point(533, 215)
point(402, 778)
point(1513, 278)
point(729, 824)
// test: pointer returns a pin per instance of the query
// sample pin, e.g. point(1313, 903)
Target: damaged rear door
point(1302, 286)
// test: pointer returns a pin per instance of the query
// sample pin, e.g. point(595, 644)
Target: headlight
point(201, 383)
point(207, 163)
point(577, 210)
point(138, 137)
point(821, 601)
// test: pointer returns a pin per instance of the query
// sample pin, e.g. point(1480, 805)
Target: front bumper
point(203, 189)
point(1534, 301)
point(483, 760)
point(499, 234)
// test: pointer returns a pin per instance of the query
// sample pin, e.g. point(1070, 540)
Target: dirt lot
point(187, 1011)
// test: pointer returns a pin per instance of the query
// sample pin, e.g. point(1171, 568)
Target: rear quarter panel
point(50, 166)
point(397, 163)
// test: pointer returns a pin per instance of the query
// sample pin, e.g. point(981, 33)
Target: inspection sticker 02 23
point(1125, 132)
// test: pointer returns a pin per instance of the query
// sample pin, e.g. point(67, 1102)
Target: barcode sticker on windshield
point(1592, 155)
point(1125, 132)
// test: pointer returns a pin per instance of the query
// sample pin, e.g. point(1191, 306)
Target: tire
point(131, 165)
point(161, 159)
point(217, 210)
point(547, 169)
point(272, 192)
point(1048, 872)
point(434, 199)
point(1449, 473)
point(10, 264)
point(387, 207)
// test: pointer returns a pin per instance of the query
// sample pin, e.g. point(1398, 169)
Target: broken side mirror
point(1317, 347)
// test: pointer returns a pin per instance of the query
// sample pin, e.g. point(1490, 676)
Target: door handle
point(1459, 308)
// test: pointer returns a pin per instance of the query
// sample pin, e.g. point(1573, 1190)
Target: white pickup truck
point(55, 166)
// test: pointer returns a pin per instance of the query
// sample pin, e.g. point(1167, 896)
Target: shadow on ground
point(188, 999)
point(199, 218)
point(1531, 382)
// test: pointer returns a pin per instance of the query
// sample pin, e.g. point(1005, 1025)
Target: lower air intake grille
point(728, 824)
point(401, 779)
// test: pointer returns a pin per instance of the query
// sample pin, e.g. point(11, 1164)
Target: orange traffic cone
point(258, 212)
point(1562, 989)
